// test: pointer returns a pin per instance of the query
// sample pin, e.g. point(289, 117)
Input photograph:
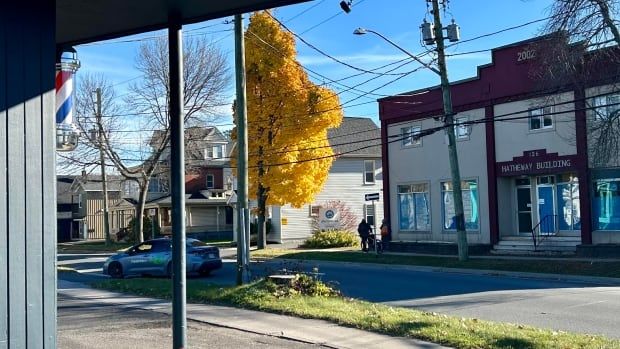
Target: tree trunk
point(140, 211)
point(262, 209)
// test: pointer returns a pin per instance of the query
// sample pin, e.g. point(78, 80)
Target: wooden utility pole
point(457, 193)
point(104, 184)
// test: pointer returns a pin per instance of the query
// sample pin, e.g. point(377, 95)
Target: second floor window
point(541, 118)
point(369, 171)
point(215, 151)
point(210, 181)
point(409, 136)
point(607, 107)
point(461, 129)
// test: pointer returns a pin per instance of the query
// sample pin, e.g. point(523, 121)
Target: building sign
point(537, 162)
point(329, 218)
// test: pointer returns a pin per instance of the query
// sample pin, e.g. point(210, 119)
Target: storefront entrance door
point(546, 209)
point(524, 206)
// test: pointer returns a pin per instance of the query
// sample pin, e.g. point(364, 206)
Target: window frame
point(541, 118)
point(443, 204)
point(460, 123)
point(596, 102)
point(373, 215)
point(612, 219)
point(312, 208)
point(408, 141)
point(366, 172)
point(210, 175)
point(79, 200)
point(411, 191)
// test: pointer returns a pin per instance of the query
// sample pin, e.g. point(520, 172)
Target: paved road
point(560, 305)
point(101, 326)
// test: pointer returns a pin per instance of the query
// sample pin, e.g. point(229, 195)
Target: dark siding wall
point(27, 188)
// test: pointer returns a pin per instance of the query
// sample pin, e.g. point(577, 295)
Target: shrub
point(332, 238)
point(305, 285)
point(148, 230)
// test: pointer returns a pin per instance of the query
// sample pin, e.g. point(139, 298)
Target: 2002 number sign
point(525, 55)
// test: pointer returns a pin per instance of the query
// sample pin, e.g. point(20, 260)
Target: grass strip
point(93, 246)
point(551, 266)
point(447, 330)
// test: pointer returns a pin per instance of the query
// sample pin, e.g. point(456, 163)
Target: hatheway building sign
point(537, 162)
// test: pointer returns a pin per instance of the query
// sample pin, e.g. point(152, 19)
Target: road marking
point(584, 304)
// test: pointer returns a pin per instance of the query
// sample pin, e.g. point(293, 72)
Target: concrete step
point(551, 237)
point(543, 243)
point(530, 247)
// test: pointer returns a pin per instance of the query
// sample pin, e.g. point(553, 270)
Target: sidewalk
point(303, 330)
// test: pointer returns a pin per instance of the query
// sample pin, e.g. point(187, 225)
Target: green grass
point(568, 267)
point(93, 246)
point(63, 269)
point(99, 246)
point(451, 331)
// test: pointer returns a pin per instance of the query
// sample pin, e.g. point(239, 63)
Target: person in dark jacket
point(363, 229)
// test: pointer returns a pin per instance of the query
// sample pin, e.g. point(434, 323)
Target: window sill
point(542, 130)
point(445, 231)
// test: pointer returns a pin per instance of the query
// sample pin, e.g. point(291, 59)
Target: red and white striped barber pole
point(67, 133)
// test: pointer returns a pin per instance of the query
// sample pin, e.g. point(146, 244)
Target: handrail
point(537, 236)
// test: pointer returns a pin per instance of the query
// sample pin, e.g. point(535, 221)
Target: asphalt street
point(561, 305)
point(102, 326)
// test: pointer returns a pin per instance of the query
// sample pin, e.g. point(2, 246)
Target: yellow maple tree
point(288, 118)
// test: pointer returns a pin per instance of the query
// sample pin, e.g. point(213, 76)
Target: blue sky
point(398, 20)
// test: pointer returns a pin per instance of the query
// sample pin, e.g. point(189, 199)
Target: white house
point(354, 173)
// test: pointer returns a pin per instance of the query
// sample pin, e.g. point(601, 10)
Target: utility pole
point(104, 184)
point(449, 123)
point(243, 233)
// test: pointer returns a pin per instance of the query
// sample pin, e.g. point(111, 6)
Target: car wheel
point(169, 270)
point(115, 270)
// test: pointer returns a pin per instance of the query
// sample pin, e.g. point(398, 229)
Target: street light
point(362, 31)
point(438, 37)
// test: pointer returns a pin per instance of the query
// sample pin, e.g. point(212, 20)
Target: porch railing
point(546, 227)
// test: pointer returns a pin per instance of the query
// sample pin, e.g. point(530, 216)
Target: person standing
point(386, 233)
point(363, 229)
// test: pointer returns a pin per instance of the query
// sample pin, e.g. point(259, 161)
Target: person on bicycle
point(363, 229)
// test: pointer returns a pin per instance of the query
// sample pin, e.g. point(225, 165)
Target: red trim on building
point(386, 172)
point(489, 113)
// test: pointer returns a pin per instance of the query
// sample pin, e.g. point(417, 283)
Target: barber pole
point(67, 133)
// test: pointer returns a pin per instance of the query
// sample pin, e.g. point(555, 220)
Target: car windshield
point(196, 243)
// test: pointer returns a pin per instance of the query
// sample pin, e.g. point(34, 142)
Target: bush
point(332, 238)
point(148, 231)
point(305, 285)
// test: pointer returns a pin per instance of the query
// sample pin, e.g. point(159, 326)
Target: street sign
point(371, 197)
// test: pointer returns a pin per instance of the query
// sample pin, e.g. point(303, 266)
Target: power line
point(329, 18)
point(326, 54)
point(304, 11)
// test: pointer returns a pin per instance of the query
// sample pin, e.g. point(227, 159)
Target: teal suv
point(154, 257)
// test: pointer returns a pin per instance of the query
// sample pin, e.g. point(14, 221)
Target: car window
point(161, 246)
point(144, 247)
point(195, 243)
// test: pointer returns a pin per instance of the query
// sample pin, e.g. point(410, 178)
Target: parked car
point(154, 257)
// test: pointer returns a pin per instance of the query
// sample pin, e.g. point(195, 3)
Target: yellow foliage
point(288, 117)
